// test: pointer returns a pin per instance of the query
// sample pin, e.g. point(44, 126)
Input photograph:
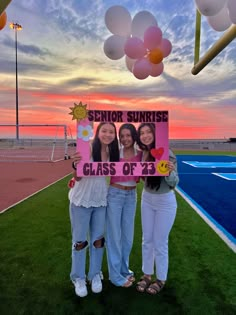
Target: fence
point(53, 149)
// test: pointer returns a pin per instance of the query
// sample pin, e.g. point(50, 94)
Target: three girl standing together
point(90, 197)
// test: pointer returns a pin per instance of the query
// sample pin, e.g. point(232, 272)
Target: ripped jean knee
point(99, 243)
point(80, 245)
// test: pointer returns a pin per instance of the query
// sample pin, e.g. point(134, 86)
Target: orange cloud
point(186, 121)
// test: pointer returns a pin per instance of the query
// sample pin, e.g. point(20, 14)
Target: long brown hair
point(152, 182)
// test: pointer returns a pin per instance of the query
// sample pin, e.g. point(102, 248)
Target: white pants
point(158, 213)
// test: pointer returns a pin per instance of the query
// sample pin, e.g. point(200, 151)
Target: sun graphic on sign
point(79, 111)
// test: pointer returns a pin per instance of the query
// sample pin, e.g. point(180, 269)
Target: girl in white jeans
point(158, 211)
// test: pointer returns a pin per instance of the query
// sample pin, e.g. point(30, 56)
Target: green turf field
point(35, 265)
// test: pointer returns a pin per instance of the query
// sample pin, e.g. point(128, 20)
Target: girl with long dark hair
point(88, 201)
point(158, 211)
point(121, 209)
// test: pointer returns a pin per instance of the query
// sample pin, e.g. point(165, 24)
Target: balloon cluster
point(139, 40)
point(220, 13)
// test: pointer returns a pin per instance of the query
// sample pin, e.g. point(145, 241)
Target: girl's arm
point(76, 159)
point(173, 178)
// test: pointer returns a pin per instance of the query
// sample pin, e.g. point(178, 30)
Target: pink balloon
point(157, 69)
point(142, 69)
point(165, 47)
point(134, 48)
point(152, 37)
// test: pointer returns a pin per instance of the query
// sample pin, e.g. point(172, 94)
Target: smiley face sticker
point(162, 167)
point(79, 111)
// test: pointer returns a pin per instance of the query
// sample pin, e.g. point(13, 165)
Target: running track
point(19, 180)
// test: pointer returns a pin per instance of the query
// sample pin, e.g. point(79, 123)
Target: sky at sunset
point(61, 62)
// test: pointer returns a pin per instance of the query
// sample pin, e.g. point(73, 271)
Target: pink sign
point(160, 152)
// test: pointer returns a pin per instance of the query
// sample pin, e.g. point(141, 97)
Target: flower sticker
point(85, 132)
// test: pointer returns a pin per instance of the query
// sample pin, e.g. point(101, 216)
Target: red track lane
point(19, 180)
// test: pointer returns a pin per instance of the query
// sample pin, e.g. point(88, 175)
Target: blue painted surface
point(228, 176)
point(211, 164)
point(214, 194)
point(210, 218)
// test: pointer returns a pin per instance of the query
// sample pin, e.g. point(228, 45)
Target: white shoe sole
point(96, 290)
point(81, 295)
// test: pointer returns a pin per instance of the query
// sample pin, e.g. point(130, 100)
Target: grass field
point(35, 262)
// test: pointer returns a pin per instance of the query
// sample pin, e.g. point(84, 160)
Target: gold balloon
point(3, 20)
point(155, 56)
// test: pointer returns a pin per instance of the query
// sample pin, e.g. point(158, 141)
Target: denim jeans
point(121, 207)
point(158, 213)
point(86, 222)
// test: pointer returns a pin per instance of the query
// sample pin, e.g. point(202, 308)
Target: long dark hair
point(152, 182)
point(132, 129)
point(142, 146)
point(113, 147)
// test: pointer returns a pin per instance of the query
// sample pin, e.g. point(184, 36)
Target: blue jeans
point(120, 233)
point(86, 222)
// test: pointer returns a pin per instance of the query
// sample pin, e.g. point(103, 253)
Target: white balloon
point(210, 7)
point(129, 63)
point(114, 47)
point(232, 10)
point(221, 21)
point(141, 21)
point(118, 20)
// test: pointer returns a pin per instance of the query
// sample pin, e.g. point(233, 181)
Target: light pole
point(16, 27)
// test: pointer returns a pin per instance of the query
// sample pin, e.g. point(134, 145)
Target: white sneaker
point(97, 283)
point(80, 287)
